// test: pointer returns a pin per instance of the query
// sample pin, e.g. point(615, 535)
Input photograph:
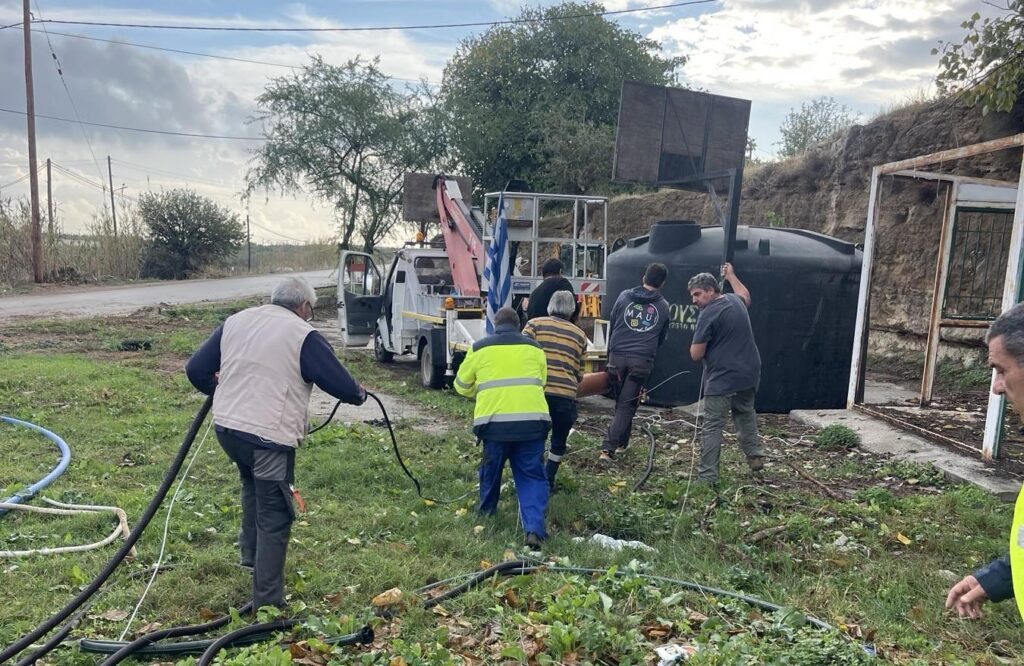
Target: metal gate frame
point(912, 168)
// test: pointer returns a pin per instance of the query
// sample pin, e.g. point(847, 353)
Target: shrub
point(836, 437)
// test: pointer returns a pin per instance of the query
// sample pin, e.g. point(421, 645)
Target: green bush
point(836, 437)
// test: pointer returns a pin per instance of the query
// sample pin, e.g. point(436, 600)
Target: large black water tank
point(804, 290)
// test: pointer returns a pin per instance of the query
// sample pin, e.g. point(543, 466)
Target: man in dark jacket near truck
point(637, 327)
point(260, 367)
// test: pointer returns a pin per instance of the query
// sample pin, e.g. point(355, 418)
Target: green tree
point(188, 233)
point(539, 99)
point(986, 66)
point(347, 135)
point(814, 122)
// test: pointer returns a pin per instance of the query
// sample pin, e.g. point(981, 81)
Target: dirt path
point(122, 300)
point(321, 404)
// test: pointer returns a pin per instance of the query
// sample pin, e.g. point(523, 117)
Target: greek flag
point(496, 272)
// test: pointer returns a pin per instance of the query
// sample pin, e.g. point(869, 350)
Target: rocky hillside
point(826, 190)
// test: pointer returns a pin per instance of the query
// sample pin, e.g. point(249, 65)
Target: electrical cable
point(381, 28)
point(65, 460)
point(211, 55)
point(398, 453)
point(67, 91)
point(47, 625)
point(194, 135)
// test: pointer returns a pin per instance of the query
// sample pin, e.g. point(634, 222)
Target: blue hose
point(65, 460)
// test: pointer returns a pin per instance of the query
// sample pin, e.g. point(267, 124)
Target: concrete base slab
point(879, 437)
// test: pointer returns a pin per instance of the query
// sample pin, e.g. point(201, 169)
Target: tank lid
point(672, 235)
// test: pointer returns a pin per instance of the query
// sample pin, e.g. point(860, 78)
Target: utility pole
point(49, 198)
point(113, 211)
point(248, 244)
point(33, 174)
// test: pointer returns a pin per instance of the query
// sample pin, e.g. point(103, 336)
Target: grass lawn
point(875, 564)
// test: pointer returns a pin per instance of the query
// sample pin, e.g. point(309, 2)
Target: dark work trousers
point(563, 416)
point(267, 514)
point(627, 376)
point(716, 411)
point(527, 462)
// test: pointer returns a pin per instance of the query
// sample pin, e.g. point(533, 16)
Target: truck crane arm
point(462, 236)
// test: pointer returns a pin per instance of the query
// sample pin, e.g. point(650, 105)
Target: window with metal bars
point(977, 263)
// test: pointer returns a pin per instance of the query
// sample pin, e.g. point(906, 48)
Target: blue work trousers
point(527, 462)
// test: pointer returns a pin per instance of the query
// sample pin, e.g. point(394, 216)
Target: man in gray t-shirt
point(724, 340)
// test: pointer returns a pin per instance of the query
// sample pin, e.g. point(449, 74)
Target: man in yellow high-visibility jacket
point(506, 372)
point(1002, 578)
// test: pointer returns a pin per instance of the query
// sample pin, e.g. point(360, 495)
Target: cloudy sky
point(868, 54)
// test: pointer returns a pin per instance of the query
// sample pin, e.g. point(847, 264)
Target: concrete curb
point(879, 437)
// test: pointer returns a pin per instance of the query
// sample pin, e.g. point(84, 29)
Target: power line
point(85, 181)
point(278, 233)
point(18, 180)
point(163, 172)
point(206, 55)
point(67, 91)
point(381, 28)
point(139, 129)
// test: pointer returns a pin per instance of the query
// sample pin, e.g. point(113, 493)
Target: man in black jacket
point(637, 327)
point(541, 296)
point(994, 581)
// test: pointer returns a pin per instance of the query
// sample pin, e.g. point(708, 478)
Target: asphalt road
point(85, 302)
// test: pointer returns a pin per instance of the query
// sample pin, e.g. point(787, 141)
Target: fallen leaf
point(696, 619)
point(905, 540)
point(147, 628)
point(508, 555)
point(207, 614)
point(388, 598)
point(510, 598)
point(461, 512)
point(478, 529)
point(429, 502)
point(656, 631)
point(485, 564)
point(354, 541)
point(440, 610)
point(397, 661)
point(112, 615)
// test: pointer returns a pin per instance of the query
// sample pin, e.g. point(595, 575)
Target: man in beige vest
point(263, 363)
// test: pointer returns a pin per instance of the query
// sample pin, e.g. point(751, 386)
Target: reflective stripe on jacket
point(506, 372)
point(1017, 552)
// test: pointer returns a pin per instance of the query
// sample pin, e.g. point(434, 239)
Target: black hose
point(523, 567)
point(172, 472)
point(364, 635)
point(650, 459)
point(398, 453)
point(280, 624)
point(329, 418)
point(171, 632)
point(54, 640)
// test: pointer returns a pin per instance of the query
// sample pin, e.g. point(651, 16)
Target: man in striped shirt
point(564, 346)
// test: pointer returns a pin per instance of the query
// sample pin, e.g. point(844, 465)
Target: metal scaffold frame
point(916, 168)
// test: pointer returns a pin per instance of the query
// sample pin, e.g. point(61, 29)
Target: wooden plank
point(858, 361)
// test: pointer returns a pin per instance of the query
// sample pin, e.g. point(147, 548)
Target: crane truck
point(429, 301)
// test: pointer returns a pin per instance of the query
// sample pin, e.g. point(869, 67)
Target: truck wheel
point(379, 352)
point(431, 375)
